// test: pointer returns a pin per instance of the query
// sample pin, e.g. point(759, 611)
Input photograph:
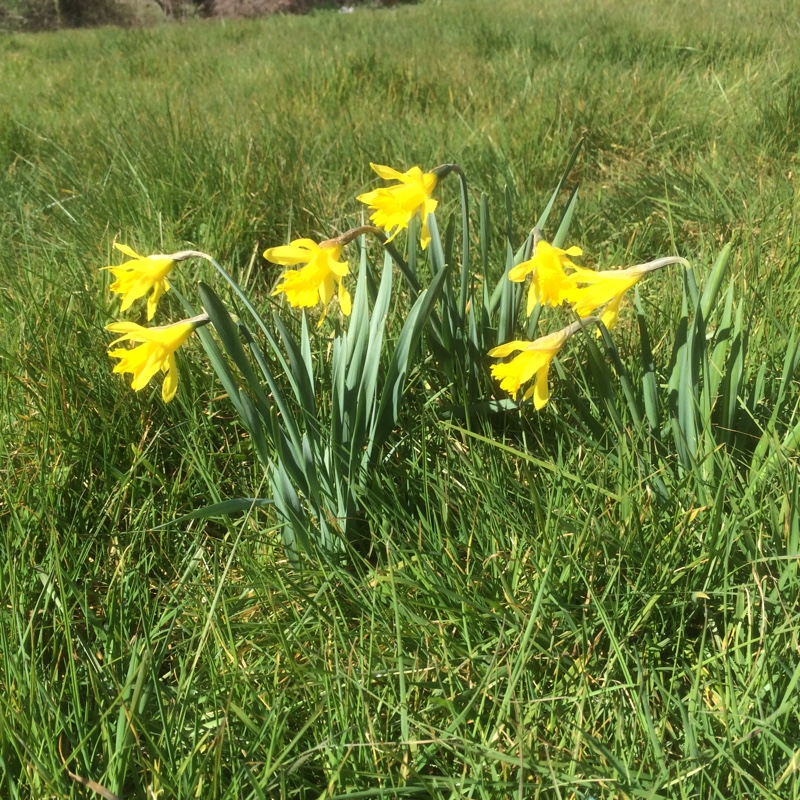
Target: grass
point(533, 620)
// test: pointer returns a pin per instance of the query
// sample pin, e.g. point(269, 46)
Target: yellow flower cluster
point(156, 346)
point(556, 280)
point(317, 279)
point(393, 208)
point(317, 271)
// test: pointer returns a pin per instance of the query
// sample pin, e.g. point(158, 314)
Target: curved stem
point(354, 233)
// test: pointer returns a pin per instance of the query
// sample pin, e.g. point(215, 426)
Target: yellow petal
point(611, 313)
point(123, 248)
point(152, 301)
point(389, 174)
point(533, 297)
point(541, 391)
point(521, 271)
point(122, 327)
point(425, 234)
point(340, 268)
point(170, 385)
point(287, 255)
point(508, 348)
point(344, 300)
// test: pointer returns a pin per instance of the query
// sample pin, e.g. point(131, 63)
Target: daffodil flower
point(136, 278)
point(589, 290)
point(315, 282)
point(533, 360)
point(156, 351)
point(395, 206)
point(549, 278)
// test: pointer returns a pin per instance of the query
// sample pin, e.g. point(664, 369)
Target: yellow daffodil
point(549, 278)
point(315, 282)
point(136, 278)
point(395, 206)
point(155, 352)
point(589, 290)
point(534, 359)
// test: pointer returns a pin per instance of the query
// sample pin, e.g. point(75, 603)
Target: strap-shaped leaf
point(722, 344)
point(310, 472)
point(366, 401)
point(300, 369)
point(435, 248)
point(466, 276)
point(714, 282)
point(624, 379)
point(359, 315)
point(218, 363)
point(506, 317)
point(224, 509)
point(566, 220)
point(602, 378)
point(684, 440)
point(296, 531)
point(339, 417)
point(542, 222)
point(734, 372)
point(228, 334)
point(404, 351)
point(649, 381)
point(254, 423)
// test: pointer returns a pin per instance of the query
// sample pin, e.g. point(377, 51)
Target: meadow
point(552, 604)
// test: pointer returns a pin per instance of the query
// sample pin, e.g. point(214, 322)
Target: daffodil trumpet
point(586, 290)
point(155, 351)
point(393, 207)
point(548, 269)
point(316, 281)
point(533, 361)
point(143, 274)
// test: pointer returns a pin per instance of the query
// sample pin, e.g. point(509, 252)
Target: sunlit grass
point(532, 619)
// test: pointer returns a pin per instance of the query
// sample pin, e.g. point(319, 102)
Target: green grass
point(533, 620)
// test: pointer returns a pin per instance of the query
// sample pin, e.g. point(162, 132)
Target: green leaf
point(255, 426)
point(714, 281)
point(566, 220)
point(542, 221)
point(722, 344)
point(366, 394)
point(218, 363)
point(404, 351)
point(297, 526)
point(229, 336)
point(649, 382)
point(239, 505)
point(465, 243)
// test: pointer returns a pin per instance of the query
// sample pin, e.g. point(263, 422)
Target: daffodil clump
point(319, 463)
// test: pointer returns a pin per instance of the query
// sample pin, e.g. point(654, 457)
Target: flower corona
point(137, 277)
point(155, 351)
point(533, 360)
point(395, 206)
point(315, 282)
